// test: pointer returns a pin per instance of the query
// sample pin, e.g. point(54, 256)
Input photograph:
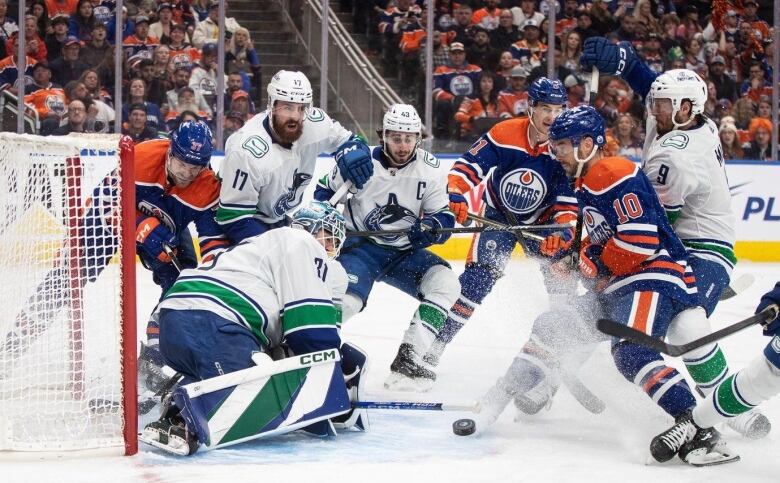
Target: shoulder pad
point(608, 173)
point(512, 133)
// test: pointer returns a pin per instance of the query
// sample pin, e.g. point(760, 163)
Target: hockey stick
point(738, 286)
point(470, 229)
point(172, 255)
point(343, 190)
point(496, 224)
point(610, 327)
point(415, 406)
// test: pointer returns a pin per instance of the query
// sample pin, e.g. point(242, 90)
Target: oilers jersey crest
point(522, 180)
point(394, 198)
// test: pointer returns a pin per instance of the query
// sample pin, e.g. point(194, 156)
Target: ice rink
point(565, 443)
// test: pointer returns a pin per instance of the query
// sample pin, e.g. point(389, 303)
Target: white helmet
point(679, 84)
point(289, 86)
point(402, 118)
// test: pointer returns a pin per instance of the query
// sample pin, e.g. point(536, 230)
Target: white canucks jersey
point(266, 180)
point(394, 198)
point(688, 173)
point(273, 284)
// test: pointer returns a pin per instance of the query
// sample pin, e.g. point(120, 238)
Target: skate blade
point(399, 382)
point(175, 445)
point(701, 458)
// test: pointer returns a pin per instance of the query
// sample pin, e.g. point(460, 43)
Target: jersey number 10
point(627, 208)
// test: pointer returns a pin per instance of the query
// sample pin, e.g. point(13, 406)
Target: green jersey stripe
point(723, 251)
point(306, 315)
point(253, 318)
point(231, 214)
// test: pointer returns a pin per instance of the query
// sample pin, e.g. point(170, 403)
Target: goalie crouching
point(272, 294)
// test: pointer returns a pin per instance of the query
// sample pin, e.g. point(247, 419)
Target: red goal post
point(68, 339)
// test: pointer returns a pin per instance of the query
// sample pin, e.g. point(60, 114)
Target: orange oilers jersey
point(47, 101)
point(512, 103)
point(622, 213)
point(522, 179)
point(177, 207)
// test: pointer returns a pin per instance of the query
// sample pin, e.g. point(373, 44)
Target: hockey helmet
point(289, 86)
point(191, 142)
point(318, 215)
point(549, 91)
point(576, 124)
point(401, 118)
point(677, 85)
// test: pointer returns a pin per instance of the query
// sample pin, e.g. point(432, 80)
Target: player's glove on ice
point(353, 159)
point(554, 244)
point(423, 233)
point(151, 235)
point(459, 206)
point(612, 59)
point(590, 263)
point(772, 297)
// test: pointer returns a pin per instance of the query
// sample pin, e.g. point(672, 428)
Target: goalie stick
point(738, 286)
point(616, 329)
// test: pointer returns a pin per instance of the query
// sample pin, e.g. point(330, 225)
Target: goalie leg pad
point(354, 364)
point(275, 398)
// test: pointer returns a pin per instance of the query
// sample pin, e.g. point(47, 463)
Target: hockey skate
point(695, 445)
point(152, 379)
point(170, 434)
point(752, 424)
point(408, 375)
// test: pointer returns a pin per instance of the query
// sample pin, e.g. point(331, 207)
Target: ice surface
point(565, 443)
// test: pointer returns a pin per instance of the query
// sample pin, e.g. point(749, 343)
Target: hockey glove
point(151, 235)
point(353, 159)
point(772, 297)
point(423, 233)
point(612, 59)
point(459, 206)
point(553, 245)
point(590, 263)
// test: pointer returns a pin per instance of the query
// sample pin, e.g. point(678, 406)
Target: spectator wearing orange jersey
point(61, 7)
point(513, 101)
point(477, 116)
point(47, 98)
point(530, 50)
point(567, 21)
point(9, 72)
point(750, 7)
point(488, 16)
point(140, 39)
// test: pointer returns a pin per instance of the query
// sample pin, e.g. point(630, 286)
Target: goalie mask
point(324, 222)
point(401, 134)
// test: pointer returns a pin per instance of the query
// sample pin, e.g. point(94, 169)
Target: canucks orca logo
point(294, 195)
point(522, 191)
point(596, 225)
point(390, 216)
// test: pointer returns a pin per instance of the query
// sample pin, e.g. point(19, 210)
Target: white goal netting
point(61, 329)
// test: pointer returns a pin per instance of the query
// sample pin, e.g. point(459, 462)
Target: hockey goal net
point(68, 326)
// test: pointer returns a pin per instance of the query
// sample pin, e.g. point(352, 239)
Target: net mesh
point(60, 327)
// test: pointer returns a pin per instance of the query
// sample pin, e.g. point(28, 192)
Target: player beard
point(288, 132)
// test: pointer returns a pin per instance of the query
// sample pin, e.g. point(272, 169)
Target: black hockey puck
point(464, 427)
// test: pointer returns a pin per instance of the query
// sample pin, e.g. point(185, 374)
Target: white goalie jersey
point(265, 180)
point(688, 172)
point(394, 198)
point(273, 284)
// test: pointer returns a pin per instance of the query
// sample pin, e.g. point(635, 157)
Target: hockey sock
point(459, 314)
point(428, 320)
point(646, 368)
point(739, 393)
point(708, 370)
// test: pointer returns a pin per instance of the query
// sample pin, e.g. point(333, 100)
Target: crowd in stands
point(486, 52)
point(169, 57)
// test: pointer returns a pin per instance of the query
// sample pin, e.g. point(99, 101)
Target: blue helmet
point(191, 142)
point(318, 215)
point(577, 123)
point(548, 91)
